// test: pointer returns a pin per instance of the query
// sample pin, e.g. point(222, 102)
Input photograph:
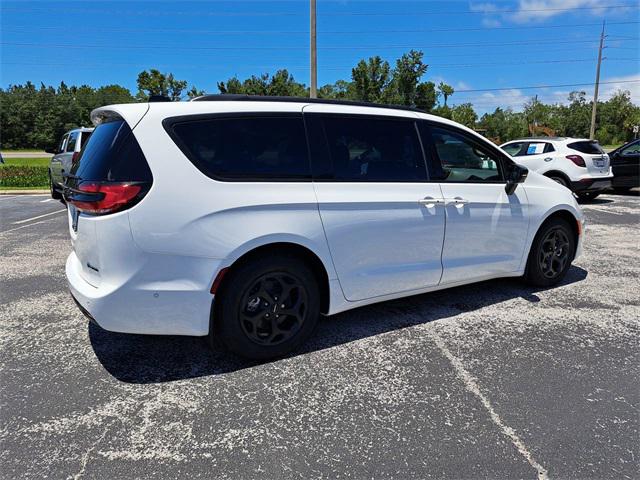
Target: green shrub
point(22, 176)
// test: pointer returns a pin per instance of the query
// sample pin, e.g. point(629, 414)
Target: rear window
point(83, 139)
point(113, 155)
point(592, 148)
point(247, 148)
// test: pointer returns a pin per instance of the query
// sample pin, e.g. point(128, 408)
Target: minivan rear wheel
point(551, 253)
point(267, 308)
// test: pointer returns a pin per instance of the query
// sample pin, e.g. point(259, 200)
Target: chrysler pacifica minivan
point(245, 218)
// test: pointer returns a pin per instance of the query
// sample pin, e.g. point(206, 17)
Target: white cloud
point(527, 11)
point(516, 98)
point(621, 83)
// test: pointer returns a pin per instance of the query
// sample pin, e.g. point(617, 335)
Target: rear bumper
point(591, 185)
point(174, 303)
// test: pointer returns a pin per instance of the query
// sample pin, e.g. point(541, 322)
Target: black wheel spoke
point(554, 253)
point(273, 308)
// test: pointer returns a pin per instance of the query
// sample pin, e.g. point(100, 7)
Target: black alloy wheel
point(274, 308)
point(553, 256)
point(266, 307)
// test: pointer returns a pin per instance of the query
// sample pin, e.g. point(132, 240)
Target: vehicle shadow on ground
point(156, 359)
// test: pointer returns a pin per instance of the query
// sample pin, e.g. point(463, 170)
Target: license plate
point(75, 215)
point(598, 162)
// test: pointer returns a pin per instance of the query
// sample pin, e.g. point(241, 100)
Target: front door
point(486, 229)
point(383, 221)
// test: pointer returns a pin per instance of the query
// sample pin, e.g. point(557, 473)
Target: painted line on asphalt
point(46, 200)
point(25, 226)
point(472, 386)
point(39, 216)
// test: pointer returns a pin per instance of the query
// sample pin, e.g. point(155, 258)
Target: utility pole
point(592, 131)
point(313, 92)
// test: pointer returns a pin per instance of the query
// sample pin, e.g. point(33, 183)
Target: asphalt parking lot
point(494, 380)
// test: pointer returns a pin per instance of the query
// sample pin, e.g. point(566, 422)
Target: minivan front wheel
point(267, 308)
point(551, 253)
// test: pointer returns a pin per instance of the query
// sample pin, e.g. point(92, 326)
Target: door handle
point(457, 201)
point(548, 159)
point(430, 202)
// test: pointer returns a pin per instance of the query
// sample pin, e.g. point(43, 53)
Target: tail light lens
point(577, 159)
point(97, 198)
point(74, 157)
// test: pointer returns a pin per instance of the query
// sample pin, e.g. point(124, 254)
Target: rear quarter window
point(590, 148)
point(112, 154)
point(260, 148)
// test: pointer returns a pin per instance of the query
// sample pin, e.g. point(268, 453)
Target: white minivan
point(244, 218)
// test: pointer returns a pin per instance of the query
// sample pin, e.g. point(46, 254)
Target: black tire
point(262, 328)
point(560, 180)
point(587, 196)
point(56, 195)
point(549, 258)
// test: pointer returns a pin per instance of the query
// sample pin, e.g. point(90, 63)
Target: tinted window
point(112, 154)
point(463, 159)
point(62, 144)
point(588, 147)
point(632, 149)
point(84, 136)
point(246, 148)
point(71, 143)
point(513, 149)
point(374, 150)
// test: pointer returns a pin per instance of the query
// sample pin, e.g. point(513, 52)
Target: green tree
point(446, 91)
point(370, 80)
point(464, 114)
point(426, 96)
point(407, 73)
point(233, 86)
point(154, 82)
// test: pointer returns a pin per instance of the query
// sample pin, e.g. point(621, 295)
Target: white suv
point(244, 218)
point(576, 163)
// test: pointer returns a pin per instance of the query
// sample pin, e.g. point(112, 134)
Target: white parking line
point(46, 200)
point(39, 216)
point(471, 385)
point(25, 226)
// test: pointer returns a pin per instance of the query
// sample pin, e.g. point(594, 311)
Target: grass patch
point(23, 150)
point(27, 162)
point(608, 148)
point(23, 176)
point(37, 187)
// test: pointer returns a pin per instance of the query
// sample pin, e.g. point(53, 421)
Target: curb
point(22, 192)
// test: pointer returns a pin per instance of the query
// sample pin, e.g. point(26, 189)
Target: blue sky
point(470, 45)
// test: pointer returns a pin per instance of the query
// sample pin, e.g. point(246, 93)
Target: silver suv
point(64, 155)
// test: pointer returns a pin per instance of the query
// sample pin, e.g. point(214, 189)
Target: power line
point(324, 67)
point(30, 28)
point(542, 86)
point(155, 12)
point(283, 47)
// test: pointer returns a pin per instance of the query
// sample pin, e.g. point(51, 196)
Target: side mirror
point(515, 174)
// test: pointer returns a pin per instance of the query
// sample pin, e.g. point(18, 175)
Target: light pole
point(313, 91)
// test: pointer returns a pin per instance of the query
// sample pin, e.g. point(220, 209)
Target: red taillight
point(577, 159)
point(74, 157)
point(102, 198)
